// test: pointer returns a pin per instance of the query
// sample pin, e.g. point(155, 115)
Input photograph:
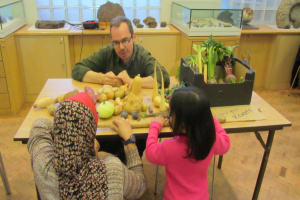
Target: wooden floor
point(235, 181)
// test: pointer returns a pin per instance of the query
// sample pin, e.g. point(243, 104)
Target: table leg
point(263, 164)
point(220, 161)
point(37, 193)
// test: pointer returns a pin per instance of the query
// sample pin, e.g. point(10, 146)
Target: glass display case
point(11, 16)
point(204, 19)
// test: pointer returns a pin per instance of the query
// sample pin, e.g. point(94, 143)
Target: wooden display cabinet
point(42, 57)
point(11, 85)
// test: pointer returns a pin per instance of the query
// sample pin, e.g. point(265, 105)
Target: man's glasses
point(124, 42)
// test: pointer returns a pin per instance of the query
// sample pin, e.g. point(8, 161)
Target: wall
point(32, 16)
point(30, 11)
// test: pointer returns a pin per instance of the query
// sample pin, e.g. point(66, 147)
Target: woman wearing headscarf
point(65, 162)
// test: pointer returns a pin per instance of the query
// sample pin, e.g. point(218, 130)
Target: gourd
point(105, 109)
point(44, 102)
point(163, 100)
point(155, 89)
point(62, 97)
point(159, 100)
point(134, 98)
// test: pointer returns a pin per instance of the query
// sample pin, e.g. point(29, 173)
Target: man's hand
point(111, 79)
point(123, 127)
point(105, 79)
point(123, 75)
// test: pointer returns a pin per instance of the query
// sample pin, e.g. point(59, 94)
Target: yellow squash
point(134, 99)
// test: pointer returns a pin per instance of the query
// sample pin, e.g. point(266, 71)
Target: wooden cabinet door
point(42, 57)
point(163, 48)
point(255, 50)
point(82, 46)
point(11, 89)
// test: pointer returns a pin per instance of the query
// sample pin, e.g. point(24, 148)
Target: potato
point(62, 97)
point(110, 94)
point(157, 101)
point(119, 93)
point(144, 107)
point(107, 88)
point(118, 109)
point(51, 109)
point(102, 97)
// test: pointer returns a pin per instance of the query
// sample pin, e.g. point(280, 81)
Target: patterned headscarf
point(81, 174)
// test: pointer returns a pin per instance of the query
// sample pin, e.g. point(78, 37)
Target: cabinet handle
point(63, 65)
point(2, 45)
point(61, 40)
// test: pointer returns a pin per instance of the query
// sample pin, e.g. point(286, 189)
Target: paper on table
point(237, 113)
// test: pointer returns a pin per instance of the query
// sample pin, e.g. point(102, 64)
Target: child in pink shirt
point(186, 157)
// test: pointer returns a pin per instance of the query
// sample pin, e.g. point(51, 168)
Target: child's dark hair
point(190, 109)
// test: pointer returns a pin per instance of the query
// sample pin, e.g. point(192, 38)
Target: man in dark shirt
point(120, 61)
point(117, 64)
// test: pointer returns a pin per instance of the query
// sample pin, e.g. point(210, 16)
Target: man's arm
point(105, 79)
point(94, 63)
point(93, 69)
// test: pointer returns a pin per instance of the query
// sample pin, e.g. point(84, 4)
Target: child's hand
point(96, 146)
point(123, 127)
point(159, 119)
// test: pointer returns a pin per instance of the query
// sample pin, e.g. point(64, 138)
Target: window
point(264, 10)
point(77, 11)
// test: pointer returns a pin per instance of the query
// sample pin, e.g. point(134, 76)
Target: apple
point(105, 109)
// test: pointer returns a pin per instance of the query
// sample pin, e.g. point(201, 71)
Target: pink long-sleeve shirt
point(186, 178)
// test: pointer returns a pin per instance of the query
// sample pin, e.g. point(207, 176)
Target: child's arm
point(155, 151)
point(222, 143)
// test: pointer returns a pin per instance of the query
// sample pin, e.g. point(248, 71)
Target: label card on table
point(237, 113)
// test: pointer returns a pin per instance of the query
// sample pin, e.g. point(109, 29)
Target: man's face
point(122, 41)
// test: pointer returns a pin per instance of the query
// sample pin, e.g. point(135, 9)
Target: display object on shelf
point(196, 19)
point(11, 17)
point(108, 11)
point(247, 18)
point(288, 14)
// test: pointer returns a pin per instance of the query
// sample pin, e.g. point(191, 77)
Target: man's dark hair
point(116, 22)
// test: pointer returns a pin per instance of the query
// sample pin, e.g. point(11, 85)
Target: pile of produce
point(110, 101)
point(214, 61)
point(123, 101)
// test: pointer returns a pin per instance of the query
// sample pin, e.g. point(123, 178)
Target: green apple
point(105, 109)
